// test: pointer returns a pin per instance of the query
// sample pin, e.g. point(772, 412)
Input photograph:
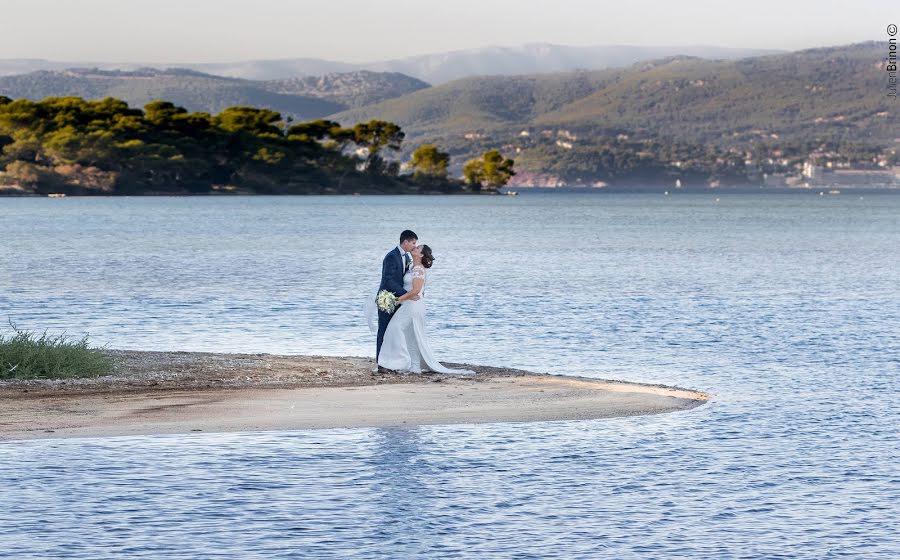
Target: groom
point(394, 266)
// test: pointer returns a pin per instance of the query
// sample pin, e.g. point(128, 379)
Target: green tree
point(162, 113)
point(315, 131)
point(428, 161)
point(492, 171)
point(255, 121)
point(473, 171)
point(63, 145)
point(375, 136)
point(497, 169)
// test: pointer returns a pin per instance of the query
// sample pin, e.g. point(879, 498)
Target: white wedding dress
point(405, 347)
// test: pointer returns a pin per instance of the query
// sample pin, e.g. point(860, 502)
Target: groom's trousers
point(383, 320)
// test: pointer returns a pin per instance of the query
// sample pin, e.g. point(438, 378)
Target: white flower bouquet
point(386, 301)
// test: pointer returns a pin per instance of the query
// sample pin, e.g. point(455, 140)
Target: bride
point(405, 346)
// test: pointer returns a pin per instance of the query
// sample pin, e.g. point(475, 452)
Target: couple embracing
point(402, 344)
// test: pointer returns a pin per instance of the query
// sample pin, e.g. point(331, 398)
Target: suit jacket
point(393, 267)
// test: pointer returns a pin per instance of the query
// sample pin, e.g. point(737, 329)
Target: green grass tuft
point(25, 355)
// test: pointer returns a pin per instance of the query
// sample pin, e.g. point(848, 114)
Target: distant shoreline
point(241, 195)
point(655, 189)
point(185, 392)
point(517, 190)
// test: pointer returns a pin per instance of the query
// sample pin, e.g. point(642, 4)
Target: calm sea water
point(786, 308)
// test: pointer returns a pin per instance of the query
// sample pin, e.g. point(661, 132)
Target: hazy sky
point(365, 30)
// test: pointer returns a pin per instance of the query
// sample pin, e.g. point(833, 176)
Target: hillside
point(484, 103)
point(676, 117)
point(351, 89)
point(831, 92)
point(302, 99)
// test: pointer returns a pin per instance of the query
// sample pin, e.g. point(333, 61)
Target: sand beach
point(189, 392)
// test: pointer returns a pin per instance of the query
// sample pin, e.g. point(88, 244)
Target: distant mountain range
point(302, 98)
point(432, 68)
point(836, 92)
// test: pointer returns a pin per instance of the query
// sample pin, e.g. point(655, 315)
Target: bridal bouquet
point(386, 301)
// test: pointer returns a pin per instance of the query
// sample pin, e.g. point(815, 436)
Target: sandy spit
point(184, 392)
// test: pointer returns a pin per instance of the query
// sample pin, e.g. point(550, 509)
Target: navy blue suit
point(393, 267)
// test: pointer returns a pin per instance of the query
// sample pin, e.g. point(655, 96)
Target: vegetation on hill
point(485, 103)
point(301, 98)
point(831, 92)
point(351, 89)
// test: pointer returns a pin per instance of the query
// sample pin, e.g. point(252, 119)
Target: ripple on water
point(785, 308)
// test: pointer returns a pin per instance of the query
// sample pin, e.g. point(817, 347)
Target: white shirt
point(403, 256)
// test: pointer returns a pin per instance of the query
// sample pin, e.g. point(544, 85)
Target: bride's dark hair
point(427, 257)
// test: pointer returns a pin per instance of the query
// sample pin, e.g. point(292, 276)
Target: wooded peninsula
point(68, 145)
